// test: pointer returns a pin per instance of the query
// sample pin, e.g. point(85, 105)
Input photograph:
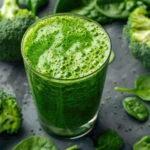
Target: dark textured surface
point(122, 72)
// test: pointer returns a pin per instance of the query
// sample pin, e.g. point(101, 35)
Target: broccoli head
point(137, 32)
point(13, 24)
point(10, 114)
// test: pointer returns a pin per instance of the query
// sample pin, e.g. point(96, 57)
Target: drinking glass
point(67, 107)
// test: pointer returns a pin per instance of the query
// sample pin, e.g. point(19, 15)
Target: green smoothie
point(66, 58)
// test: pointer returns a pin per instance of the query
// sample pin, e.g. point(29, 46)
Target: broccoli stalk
point(13, 24)
point(10, 114)
point(137, 32)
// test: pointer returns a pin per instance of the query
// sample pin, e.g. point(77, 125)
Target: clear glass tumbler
point(67, 107)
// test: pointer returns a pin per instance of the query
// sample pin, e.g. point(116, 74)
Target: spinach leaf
point(142, 88)
point(68, 5)
point(85, 10)
point(110, 1)
point(86, 2)
point(134, 107)
point(82, 7)
point(109, 140)
point(143, 144)
point(147, 1)
point(117, 9)
point(103, 11)
point(75, 147)
point(33, 4)
point(36, 143)
point(90, 12)
point(112, 56)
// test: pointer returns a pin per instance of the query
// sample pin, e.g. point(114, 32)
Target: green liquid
point(74, 51)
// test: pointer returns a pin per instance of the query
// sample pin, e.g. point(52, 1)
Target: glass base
point(69, 133)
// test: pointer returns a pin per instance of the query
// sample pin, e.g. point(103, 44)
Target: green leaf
point(36, 143)
point(143, 144)
point(147, 1)
point(82, 7)
point(109, 140)
point(110, 1)
point(86, 2)
point(68, 5)
point(142, 88)
point(75, 147)
point(85, 10)
point(117, 9)
point(112, 57)
point(134, 107)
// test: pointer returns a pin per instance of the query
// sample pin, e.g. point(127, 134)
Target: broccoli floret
point(33, 4)
point(13, 24)
point(10, 113)
point(137, 32)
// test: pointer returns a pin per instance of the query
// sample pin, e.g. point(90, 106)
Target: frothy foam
point(66, 47)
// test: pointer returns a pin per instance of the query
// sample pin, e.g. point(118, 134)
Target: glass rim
point(73, 15)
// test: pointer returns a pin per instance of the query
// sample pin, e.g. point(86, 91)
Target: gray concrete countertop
point(122, 72)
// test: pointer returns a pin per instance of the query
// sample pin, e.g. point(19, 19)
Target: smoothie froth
point(66, 47)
